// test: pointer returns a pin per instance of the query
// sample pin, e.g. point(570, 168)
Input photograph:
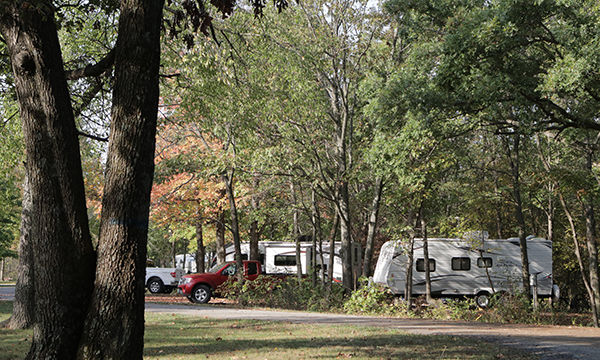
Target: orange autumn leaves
point(182, 192)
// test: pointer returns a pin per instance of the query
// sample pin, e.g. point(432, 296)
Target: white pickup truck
point(162, 280)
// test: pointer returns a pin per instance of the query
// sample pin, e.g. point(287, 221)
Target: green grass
point(187, 337)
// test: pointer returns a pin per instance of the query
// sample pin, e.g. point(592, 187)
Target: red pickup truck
point(199, 288)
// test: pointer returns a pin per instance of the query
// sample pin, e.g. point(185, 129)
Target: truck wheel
point(155, 285)
point(483, 300)
point(201, 294)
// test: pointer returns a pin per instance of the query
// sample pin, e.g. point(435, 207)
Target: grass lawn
point(186, 337)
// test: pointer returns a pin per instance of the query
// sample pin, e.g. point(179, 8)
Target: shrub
point(285, 293)
point(370, 298)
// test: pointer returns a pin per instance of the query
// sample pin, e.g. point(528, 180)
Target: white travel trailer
point(187, 262)
point(460, 268)
point(279, 257)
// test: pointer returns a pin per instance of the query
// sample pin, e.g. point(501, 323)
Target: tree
point(76, 312)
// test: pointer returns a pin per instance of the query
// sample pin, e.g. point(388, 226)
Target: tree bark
point(23, 314)
point(62, 249)
point(366, 271)
point(115, 324)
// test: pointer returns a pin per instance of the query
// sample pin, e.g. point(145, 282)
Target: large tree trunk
point(200, 249)
point(23, 314)
point(366, 271)
point(235, 229)
point(115, 324)
point(62, 249)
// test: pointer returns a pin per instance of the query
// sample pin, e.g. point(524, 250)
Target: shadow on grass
point(180, 336)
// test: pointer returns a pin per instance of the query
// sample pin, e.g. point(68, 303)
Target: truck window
point(229, 271)
point(285, 260)
point(252, 268)
point(485, 262)
point(461, 263)
point(421, 265)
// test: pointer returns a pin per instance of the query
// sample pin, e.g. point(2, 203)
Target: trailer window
point(485, 262)
point(285, 260)
point(461, 263)
point(421, 265)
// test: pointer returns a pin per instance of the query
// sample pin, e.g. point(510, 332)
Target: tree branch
point(93, 70)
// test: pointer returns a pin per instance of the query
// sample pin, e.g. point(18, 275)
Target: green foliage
point(370, 298)
point(284, 293)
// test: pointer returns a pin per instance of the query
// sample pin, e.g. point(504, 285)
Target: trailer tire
point(201, 294)
point(155, 285)
point(483, 299)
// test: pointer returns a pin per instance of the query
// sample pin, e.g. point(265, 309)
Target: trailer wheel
point(483, 300)
point(201, 294)
point(155, 285)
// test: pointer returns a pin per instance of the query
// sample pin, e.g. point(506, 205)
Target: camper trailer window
point(421, 265)
point(485, 262)
point(285, 260)
point(461, 263)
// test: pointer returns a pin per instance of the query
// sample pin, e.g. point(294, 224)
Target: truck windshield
point(216, 268)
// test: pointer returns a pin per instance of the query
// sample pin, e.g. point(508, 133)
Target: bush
point(370, 298)
point(285, 293)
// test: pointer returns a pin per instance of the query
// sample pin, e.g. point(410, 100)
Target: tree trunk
point(498, 212)
point(200, 249)
point(516, 180)
point(316, 236)
point(23, 314)
point(115, 324)
point(220, 238)
point(591, 241)
point(254, 233)
point(582, 271)
point(408, 290)
point(345, 238)
point(62, 249)
point(235, 229)
point(331, 262)
point(296, 232)
point(366, 271)
point(426, 258)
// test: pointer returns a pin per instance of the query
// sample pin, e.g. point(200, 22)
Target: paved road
point(7, 292)
point(549, 342)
